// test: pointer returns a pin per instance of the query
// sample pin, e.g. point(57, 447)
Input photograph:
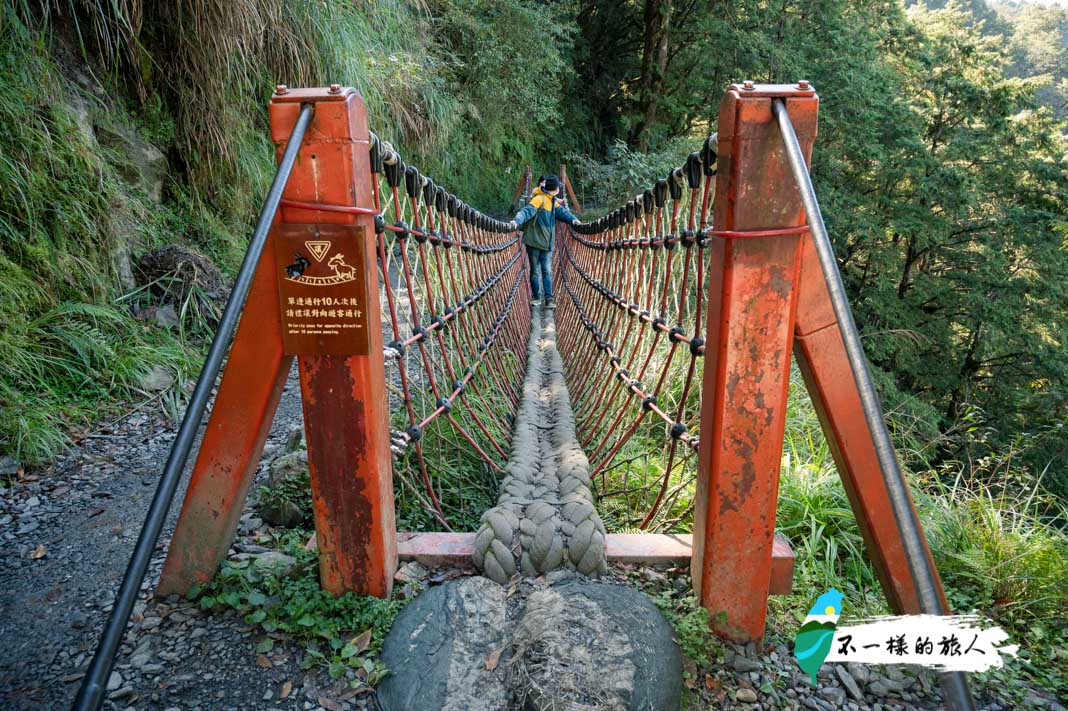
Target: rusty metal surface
point(750, 330)
point(320, 288)
point(248, 396)
point(352, 485)
point(346, 414)
point(821, 356)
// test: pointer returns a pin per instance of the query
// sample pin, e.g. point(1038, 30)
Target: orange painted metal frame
point(771, 298)
point(230, 451)
point(344, 396)
point(821, 357)
point(750, 325)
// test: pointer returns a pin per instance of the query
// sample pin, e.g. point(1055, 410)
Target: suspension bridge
point(407, 309)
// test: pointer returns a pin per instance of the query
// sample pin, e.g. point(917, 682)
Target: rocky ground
point(68, 531)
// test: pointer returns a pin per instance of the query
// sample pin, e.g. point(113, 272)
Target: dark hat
point(551, 183)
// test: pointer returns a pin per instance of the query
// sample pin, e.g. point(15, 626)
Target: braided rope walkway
point(544, 518)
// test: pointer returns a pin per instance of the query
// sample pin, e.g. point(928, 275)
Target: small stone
point(251, 524)
point(123, 693)
point(879, 688)
point(31, 502)
point(834, 695)
point(410, 572)
point(894, 686)
point(746, 696)
point(9, 466)
point(860, 672)
point(198, 633)
point(848, 682)
point(294, 438)
point(152, 669)
point(745, 664)
point(114, 681)
point(140, 660)
point(151, 623)
point(27, 526)
point(157, 379)
point(277, 562)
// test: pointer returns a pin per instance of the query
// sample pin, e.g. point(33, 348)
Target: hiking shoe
point(535, 302)
point(550, 304)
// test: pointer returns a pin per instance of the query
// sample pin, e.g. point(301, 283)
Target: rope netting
point(455, 304)
point(631, 314)
point(456, 311)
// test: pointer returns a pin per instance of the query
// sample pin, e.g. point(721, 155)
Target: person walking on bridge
point(538, 220)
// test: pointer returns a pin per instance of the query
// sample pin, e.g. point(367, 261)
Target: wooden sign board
point(322, 285)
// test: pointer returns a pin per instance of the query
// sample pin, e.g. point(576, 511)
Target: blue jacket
point(538, 220)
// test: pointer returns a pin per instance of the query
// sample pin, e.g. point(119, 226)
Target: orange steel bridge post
point(230, 451)
point(750, 329)
point(346, 409)
point(342, 377)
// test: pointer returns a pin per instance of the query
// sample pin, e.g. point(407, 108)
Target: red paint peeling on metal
point(344, 398)
point(825, 367)
point(345, 401)
point(750, 325)
point(233, 441)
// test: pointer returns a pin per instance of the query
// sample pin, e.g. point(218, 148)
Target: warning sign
point(323, 288)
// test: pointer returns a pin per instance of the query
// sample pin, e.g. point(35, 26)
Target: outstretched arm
point(564, 215)
point(525, 214)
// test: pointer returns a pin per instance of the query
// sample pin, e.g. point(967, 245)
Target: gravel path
point(68, 532)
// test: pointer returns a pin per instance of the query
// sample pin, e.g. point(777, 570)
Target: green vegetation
point(343, 634)
point(291, 494)
point(68, 349)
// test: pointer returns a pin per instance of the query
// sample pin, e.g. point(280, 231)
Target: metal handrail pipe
point(954, 684)
point(94, 684)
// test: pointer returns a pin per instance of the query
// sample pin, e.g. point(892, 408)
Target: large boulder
point(574, 644)
point(587, 645)
point(444, 650)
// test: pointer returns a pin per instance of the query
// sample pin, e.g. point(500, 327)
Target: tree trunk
point(654, 65)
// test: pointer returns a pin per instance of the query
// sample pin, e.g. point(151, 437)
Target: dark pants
point(540, 258)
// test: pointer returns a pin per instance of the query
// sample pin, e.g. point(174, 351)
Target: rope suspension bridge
point(410, 311)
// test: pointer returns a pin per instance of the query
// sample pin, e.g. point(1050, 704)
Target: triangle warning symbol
point(318, 248)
